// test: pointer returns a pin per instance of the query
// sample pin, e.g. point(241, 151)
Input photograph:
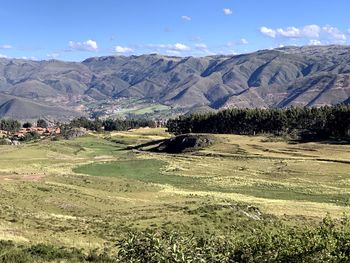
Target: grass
point(147, 171)
point(87, 192)
point(149, 109)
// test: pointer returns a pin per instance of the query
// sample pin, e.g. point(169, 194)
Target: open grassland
point(85, 193)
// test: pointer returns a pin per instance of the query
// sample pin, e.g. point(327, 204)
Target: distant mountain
point(300, 76)
point(23, 109)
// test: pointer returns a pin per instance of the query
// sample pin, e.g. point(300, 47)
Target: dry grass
point(43, 200)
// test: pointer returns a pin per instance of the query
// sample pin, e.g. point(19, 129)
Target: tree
point(41, 123)
point(27, 125)
point(10, 125)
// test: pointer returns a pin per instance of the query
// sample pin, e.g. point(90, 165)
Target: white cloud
point(180, 47)
point(52, 55)
point(173, 52)
point(227, 11)
point(315, 42)
point(186, 18)
point(156, 46)
point(268, 31)
point(3, 56)
point(202, 49)
point(177, 46)
point(171, 49)
point(201, 46)
point(312, 32)
point(226, 52)
point(122, 50)
point(88, 45)
point(243, 41)
point(195, 39)
point(334, 33)
point(309, 31)
point(29, 58)
point(289, 32)
point(6, 46)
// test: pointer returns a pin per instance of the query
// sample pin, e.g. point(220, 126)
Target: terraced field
point(87, 192)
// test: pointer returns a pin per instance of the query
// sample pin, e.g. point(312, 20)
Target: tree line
point(321, 123)
point(111, 124)
point(12, 126)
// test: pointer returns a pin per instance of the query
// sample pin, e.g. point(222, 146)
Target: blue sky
point(77, 29)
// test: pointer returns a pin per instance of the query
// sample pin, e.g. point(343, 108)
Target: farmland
point(86, 193)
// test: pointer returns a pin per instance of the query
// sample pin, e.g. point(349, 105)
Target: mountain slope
point(310, 76)
point(18, 108)
point(301, 76)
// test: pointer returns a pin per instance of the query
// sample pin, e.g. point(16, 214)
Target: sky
point(74, 30)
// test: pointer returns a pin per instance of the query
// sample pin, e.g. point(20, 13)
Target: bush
point(4, 141)
point(30, 136)
point(328, 242)
point(12, 253)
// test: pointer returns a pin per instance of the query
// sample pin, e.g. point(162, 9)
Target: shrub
point(328, 242)
point(30, 136)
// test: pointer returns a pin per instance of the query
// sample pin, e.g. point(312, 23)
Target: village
point(15, 135)
point(39, 130)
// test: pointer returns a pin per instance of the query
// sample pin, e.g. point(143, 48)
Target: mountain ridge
point(282, 77)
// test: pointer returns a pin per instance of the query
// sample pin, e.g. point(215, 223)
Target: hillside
point(299, 76)
point(18, 108)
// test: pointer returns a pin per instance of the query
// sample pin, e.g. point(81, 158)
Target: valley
point(89, 192)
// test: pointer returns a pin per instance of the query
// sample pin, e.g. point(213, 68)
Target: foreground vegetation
point(328, 242)
point(242, 199)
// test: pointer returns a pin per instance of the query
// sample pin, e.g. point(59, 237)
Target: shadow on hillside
point(145, 145)
point(178, 144)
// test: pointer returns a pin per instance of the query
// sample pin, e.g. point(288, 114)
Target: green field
point(86, 193)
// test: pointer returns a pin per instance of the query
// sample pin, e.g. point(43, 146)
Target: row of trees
point(12, 126)
point(323, 122)
point(111, 124)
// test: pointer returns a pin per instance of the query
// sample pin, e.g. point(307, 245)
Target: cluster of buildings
point(41, 131)
point(24, 131)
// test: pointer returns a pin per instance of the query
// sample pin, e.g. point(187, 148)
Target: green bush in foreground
point(12, 253)
point(328, 242)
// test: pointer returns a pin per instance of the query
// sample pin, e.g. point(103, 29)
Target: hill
point(299, 76)
point(17, 108)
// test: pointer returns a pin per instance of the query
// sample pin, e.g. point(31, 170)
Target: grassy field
point(85, 193)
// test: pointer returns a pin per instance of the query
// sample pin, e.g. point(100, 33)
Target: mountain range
point(282, 77)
